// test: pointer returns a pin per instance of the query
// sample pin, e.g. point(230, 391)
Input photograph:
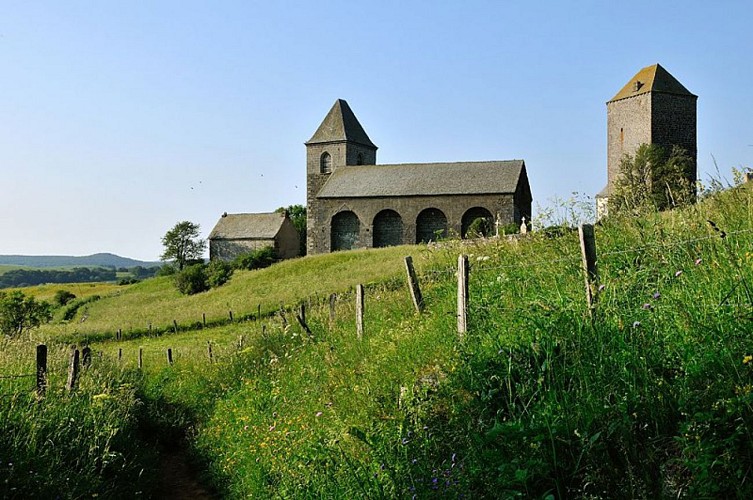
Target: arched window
point(476, 222)
point(325, 163)
point(388, 229)
point(359, 159)
point(431, 225)
point(344, 231)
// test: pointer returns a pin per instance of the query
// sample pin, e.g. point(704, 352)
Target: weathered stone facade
point(652, 108)
point(354, 203)
point(237, 234)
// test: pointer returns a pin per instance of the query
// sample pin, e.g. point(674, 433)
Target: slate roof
point(652, 79)
point(423, 179)
point(341, 124)
point(248, 226)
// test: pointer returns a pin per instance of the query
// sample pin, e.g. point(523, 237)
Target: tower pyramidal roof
point(652, 79)
point(341, 124)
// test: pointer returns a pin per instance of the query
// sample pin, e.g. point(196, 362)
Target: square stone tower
point(652, 108)
point(339, 141)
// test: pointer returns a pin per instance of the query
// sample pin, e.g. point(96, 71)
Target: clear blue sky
point(119, 119)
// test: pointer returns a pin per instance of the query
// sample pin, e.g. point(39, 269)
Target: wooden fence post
point(204, 320)
point(332, 301)
point(169, 356)
point(282, 316)
point(301, 317)
point(209, 352)
point(150, 329)
point(73, 368)
point(359, 312)
point(175, 326)
point(588, 254)
point(462, 294)
point(141, 358)
point(41, 370)
point(231, 316)
point(120, 354)
point(241, 341)
point(86, 357)
point(415, 290)
point(258, 312)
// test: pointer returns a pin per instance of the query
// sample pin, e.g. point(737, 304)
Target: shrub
point(166, 270)
point(192, 280)
point(62, 297)
point(73, 306)
point(256, 259)
point(479, 227)
point(218, 273)
point(19, 313)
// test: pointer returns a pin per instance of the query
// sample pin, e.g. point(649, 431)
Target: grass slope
point(652, 397)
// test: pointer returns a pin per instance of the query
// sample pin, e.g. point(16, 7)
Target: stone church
point(652, 108)
point(353, 202)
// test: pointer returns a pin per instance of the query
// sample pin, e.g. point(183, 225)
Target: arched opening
point(325, 163)
point(431, 225)
point(477, 222)
point(359, 159)
point(388, 229)
point(345, 228)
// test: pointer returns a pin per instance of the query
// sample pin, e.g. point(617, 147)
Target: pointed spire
point(651, 79)
point(341, 124)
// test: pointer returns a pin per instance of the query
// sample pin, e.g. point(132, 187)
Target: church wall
point(674, 123)
point(408, 207)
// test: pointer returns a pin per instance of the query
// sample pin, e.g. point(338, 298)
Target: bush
point(192, 280)
point(73, 307)
point(257, 259)
point(218, 273)
point(62, 297)
point(19, 313)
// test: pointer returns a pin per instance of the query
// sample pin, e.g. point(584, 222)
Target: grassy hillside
point(649, 397)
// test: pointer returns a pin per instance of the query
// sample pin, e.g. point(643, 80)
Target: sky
point(120, 119)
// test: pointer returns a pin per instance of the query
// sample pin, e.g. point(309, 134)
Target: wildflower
point(414, 461)
point(454, 455)
point(318, 414)
point(647, 306)
point(245, 427)
point(656, 295)
point(698, 261)
point(677, 274)
point(101, 397)
point(747, 359)
point(636, 324)
point(602, 287)
point(405, 441)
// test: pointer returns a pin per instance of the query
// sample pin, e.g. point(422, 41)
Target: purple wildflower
point(698, 261)
point(656, 295)
point(647, 306)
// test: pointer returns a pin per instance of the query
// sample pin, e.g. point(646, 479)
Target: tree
point(655, 178)
point(297, 214)
point(19, 313)
point(182, 244)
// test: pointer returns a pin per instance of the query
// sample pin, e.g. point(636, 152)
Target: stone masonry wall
point(408, 207)
point(628, 126)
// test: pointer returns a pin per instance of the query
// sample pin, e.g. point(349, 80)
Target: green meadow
point(648, 396)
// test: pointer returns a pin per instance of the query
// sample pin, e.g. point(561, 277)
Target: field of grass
point(651, 396)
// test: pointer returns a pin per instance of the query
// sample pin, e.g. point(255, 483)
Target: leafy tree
point(19, 313)
point(182, 244)
point(655, 178)
point(297, 214)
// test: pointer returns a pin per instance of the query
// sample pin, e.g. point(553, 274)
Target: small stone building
point(652, 108)
point(236, 234)
point(352, 202)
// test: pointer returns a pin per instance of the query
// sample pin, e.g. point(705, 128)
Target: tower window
point(325, 163)
point(359, 159)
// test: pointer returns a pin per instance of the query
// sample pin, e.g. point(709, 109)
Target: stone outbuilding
point(236, 234)
point(352, 202)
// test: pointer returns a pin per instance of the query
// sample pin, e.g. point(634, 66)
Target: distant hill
point(96, 260)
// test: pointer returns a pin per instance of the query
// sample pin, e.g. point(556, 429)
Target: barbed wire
point(18, 376)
